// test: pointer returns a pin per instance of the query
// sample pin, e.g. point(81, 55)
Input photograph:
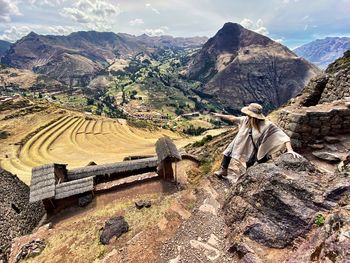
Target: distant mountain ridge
point(323, 52)
point(76, 58)
point(238, 66)
point(4, 47)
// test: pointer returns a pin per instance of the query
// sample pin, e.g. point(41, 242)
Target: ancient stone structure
point(337, 87)
point(17, 216)
point(309, 124)
point(323, 108)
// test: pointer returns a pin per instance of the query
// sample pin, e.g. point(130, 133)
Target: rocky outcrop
point(17, 216)
point(322, 52)
point(239, 66)
point(273, 205)
point(4, 47)
point(328, 243)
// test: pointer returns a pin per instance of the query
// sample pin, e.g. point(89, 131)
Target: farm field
point(76, 141)
point(73, 138)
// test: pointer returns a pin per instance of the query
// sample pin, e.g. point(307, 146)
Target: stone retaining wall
point(337, 87)
point(308, 124)
point(17, 216)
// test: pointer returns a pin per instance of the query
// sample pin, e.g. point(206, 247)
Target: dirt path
point(201, 237)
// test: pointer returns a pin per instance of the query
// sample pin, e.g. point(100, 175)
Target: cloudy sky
point(292, 22)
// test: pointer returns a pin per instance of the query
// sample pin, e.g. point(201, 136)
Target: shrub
point(319, 220)
point(194, 131)
point(203, 141)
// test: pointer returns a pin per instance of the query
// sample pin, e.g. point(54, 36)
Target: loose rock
point(114, 227)
point(331, 139)
point(316, 146)
point(31, 249)
point(142, 203)
point(85, 200)
point(326, 156)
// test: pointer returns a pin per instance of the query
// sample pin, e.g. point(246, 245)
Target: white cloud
point(279, 40)
point(155, 10)
point(156, 31)
point(14, 33)
point(136, 22)
point(288, 1)
point(8, 8)
point(257, 26)
point(76, 15)
point(90, 14)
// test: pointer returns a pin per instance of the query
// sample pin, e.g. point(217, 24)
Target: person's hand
point(216, 114)
point(295, 155)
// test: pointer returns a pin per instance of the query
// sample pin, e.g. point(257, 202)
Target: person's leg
point(224, 166)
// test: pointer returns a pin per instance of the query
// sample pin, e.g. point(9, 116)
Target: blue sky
point(292, 22)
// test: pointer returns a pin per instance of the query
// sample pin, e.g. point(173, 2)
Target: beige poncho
point(270, 139)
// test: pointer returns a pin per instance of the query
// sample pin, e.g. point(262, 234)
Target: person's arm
point(231, 118)
point(291, 151)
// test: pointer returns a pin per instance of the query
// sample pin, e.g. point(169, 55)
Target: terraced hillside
point(72, 138)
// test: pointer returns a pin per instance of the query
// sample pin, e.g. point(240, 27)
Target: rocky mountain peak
point(232, 36)
point(239, 66)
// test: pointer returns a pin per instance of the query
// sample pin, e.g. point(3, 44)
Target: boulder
point(326, 156)
point(272, 205)
point(114, 227)
point(287, 161)
point(85, 200)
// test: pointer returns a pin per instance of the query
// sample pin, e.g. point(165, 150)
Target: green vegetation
point(148, 85)
point(340, 63)
point(320, 220)
point(195, 131)
point(205, 139)
point(206, 165)
point(141, 124)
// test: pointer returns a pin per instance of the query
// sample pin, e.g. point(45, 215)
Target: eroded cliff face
point(238, 66)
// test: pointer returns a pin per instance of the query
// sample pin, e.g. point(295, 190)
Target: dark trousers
point(225, 162)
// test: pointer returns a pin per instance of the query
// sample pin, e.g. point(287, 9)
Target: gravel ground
point(201, 238)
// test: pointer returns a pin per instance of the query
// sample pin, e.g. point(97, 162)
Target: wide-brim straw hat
point(254, 110)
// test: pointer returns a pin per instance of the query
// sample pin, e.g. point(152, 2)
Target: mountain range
point(323, 52)
point(238, 66)
point(75, 59)
point(233, 68)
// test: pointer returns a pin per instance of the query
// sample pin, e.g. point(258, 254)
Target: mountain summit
point(239, 66)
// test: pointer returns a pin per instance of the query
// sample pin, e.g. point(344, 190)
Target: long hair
point(254, 123)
